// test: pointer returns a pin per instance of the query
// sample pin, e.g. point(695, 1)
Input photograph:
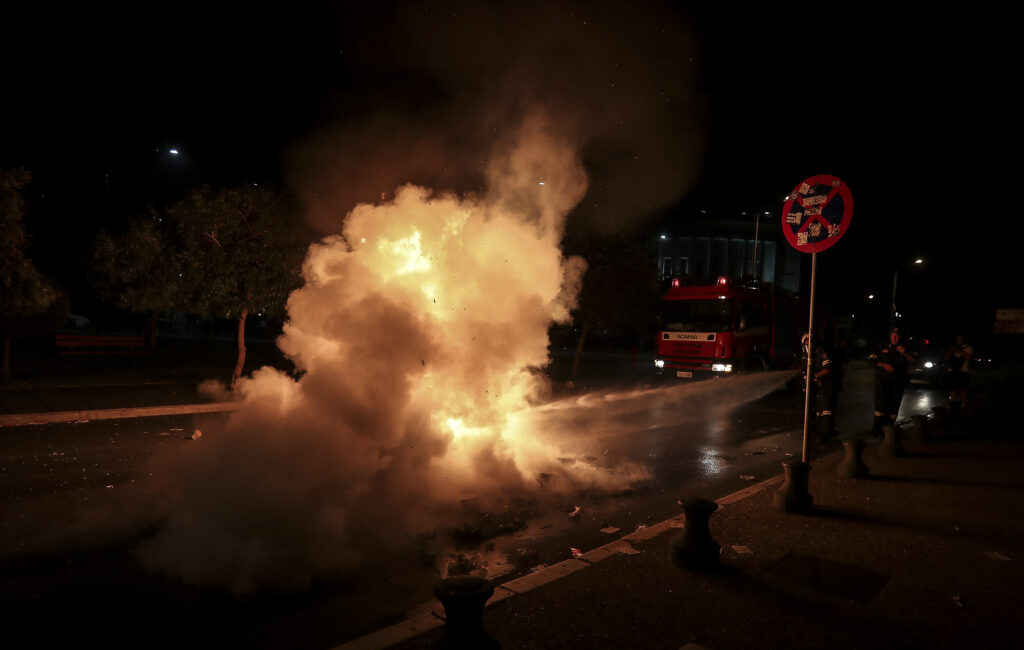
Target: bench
point(100, 344)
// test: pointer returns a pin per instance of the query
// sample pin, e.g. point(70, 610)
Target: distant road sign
point(1008, 327)
point(1009, 321)
point(817, 213)
point(1010, 314)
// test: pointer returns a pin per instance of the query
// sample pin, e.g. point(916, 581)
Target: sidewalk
point(78, 402)
point(926, 552)
point(49, 389)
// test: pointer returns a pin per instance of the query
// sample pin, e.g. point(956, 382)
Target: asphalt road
point(78, 498)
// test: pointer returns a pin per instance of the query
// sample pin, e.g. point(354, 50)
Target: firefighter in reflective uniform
point(824, 375)
point(890, 363)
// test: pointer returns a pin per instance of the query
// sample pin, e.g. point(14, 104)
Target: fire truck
point(727, 327)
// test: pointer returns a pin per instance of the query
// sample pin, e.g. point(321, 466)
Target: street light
point(893, 313)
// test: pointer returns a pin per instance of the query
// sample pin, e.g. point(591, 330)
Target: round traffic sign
point(817, 213)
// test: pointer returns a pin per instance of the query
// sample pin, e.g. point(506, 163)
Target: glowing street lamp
point(893, 313)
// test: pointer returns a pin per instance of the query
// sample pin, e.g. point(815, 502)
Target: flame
point(418, 337)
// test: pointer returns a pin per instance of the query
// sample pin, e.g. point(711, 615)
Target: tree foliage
point(225, 253)
point(29, 302)
point(24, 291)
point(619, 293)
point(139, 270)
point(240, 250)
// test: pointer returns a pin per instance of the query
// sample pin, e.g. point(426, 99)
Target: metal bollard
point(852, 465)
point(793, 495)
point(464, 598)
point(694, 548)
point(920, 431)
point(890, 445)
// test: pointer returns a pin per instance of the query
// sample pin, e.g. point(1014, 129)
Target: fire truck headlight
point(721, 367)
point(660, 363)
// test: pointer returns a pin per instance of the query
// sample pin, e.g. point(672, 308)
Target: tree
point(619, 292)
point(28, 300)
point(139, 270)
point(226, 253)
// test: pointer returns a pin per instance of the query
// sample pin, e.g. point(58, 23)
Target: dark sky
point(675, 109)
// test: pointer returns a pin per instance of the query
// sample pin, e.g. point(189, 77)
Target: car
point(77, 322)
point(928, 366)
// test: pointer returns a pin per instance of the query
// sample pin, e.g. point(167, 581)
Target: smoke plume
point(439, 83)
point(419, 332)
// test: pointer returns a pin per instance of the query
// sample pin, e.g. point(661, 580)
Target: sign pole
point(816, 214)
point(810, 357)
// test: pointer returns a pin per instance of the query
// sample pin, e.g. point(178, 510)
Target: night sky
point(675, 109)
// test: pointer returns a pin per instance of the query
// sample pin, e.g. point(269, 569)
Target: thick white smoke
point(419, 336)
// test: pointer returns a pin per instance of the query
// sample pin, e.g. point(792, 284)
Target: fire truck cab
point(726, 328)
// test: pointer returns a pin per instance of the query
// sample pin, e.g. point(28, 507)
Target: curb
point(21, 419)
point(430, 614)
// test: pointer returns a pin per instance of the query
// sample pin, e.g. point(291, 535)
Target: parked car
point(77, 322)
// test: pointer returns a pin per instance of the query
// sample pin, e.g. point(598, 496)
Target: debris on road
point(575, 513)
point(611, 530)
point(461, 565)
point(197, 434)
point(575, 552)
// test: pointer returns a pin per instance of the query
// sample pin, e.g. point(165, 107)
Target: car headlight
point(929, 364)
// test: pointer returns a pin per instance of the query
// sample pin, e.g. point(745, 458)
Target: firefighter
point(824, 373)
point(958, 361)
point(890, 363)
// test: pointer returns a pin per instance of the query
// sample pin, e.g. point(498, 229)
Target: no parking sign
point(817, 213)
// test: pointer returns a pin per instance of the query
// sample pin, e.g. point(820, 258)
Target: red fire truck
point(727, 327)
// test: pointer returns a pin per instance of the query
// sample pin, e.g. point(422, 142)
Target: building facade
point(702, 250)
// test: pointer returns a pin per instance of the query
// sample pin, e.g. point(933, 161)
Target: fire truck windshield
point(696, 315)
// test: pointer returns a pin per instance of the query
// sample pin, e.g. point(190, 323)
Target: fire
point(419, 337)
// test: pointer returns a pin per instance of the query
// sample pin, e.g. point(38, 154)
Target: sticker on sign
point(817, 213)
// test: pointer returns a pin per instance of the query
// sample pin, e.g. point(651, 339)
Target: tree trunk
point(5, 374)
point(237, 374)
point(579, 348)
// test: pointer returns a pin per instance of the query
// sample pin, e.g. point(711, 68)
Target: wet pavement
point(926, 551)
point(923, 552)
